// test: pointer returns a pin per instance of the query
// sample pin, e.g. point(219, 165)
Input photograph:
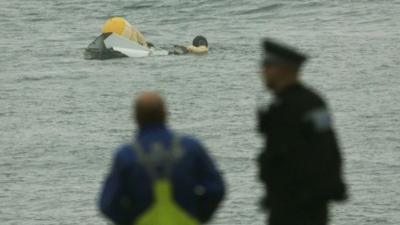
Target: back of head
point(149, 109)
point(200, 41)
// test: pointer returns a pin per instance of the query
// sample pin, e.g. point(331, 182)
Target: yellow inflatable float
point(120, 26)
point(119, 39)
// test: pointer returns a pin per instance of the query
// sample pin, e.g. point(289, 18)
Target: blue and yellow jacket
point(128, 192)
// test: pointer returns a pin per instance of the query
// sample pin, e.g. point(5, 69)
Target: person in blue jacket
point(161, 178)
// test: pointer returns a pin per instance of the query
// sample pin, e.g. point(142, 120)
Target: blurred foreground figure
point(161, 178)
point(301, 165)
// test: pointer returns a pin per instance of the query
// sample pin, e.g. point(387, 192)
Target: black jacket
point(301, 160)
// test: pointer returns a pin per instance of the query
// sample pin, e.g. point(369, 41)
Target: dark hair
point(149, 114)
point(199, 41)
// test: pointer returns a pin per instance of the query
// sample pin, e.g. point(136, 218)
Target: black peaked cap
point(276, 53)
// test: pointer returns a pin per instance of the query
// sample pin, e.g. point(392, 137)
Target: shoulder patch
point(320, 119)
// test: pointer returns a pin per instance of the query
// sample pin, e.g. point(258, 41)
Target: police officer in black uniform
point(301, 164)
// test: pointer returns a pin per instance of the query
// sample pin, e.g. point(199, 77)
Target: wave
point(141, 5)
point(28, 78)
point(261, 9)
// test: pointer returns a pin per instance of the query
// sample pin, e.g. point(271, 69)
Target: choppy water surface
point(62, 116)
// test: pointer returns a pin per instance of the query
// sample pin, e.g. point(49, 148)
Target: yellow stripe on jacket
point(164, 210)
